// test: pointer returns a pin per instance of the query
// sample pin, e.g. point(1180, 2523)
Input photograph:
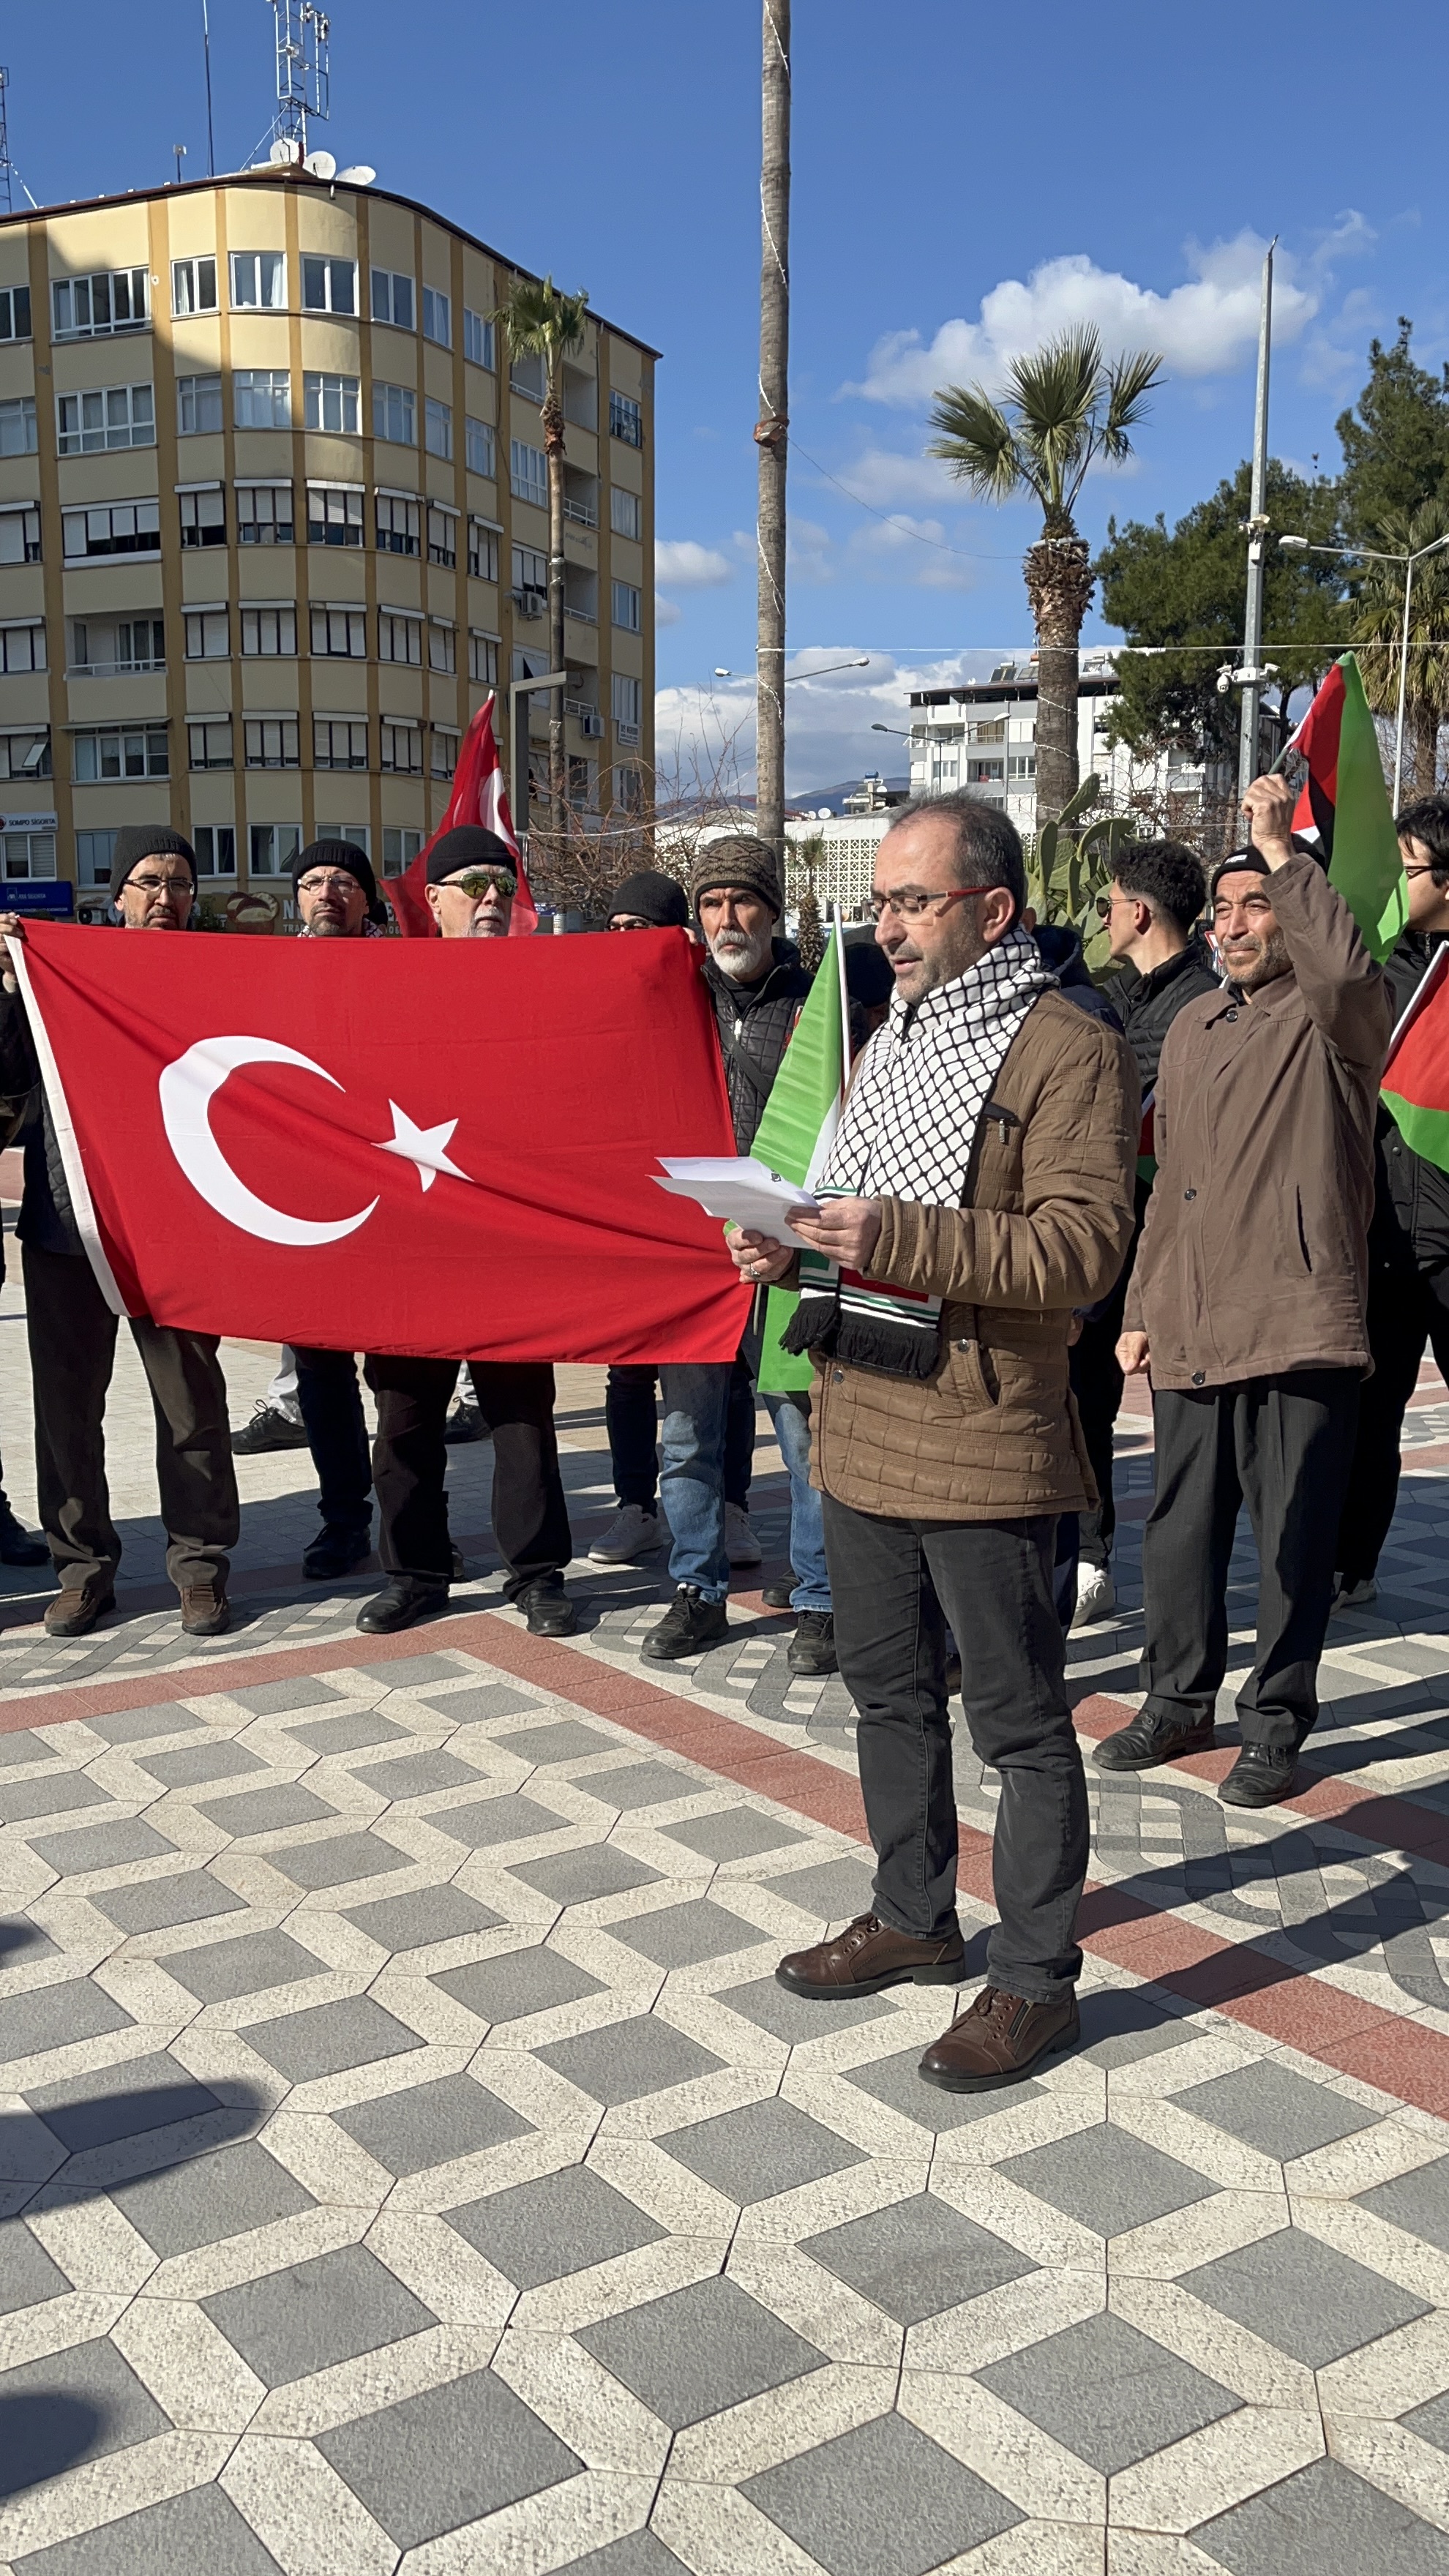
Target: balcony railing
point(109, 670)
point(588, 616)
point(582, 514)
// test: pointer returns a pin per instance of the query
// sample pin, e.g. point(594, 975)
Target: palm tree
point(1378, 618)
point(1064, 406)
point(772, 427)
point(542, 322)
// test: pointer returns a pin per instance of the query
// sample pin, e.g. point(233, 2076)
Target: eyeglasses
point(341, 882)
point(481, 881)
point(908, 904)
point(1106, 902)
point(1425, 871)
point(161, 885)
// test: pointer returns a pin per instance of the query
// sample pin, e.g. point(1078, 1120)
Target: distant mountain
point(812, 799)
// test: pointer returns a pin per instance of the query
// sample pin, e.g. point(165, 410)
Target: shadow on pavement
point(43, 2432)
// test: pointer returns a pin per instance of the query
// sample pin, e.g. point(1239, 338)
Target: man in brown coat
point(979, 1190)
point(1247, 1302)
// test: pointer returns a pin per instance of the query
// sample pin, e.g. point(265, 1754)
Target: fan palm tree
point(1377, 615)
point(1063, 407)
point(542, 322)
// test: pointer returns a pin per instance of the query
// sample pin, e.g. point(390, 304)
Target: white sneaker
point(741, 1545)
point(1096, 1595)
point(1352, 1596)
point(632, 1532)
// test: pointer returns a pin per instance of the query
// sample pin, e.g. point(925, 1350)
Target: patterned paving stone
point(191, 1764)
point(24, 1746)
point(767, 2147)
point(1417, 2202)
point(883, 2500)
point(354, 1733)
point(629, 2059)
point(1271, 2108)
point(27, 2273)
point(1304, 2297)
point(1121, 2025)
point(494, 1820)
point(737, 1834)
point(576, 1877)
point(410, 1671)
point(833, 1892)
point(1107, 2180)
point(428, 1914)
point(201, 2203)
point(328, 2038)
point(337, 1860)
point(517, 1983)
point(697, 2351)
point(56, 2017)
point(431, 2124)
point(447, 2458)
point(22, 1939)
point(635, 2553)
point(484, 1704)
point(917, 2258)
point(218, 1971)
point(24, 1796)
point(121, 2102)
point(681, 1936)
point(138, 1725)
point(897, 2082)
point(1108, 2393)
point(772, 2007)
point(278, 1699)
point(1282, 2531)
point(73, 2406)
point(201, 2529)
point(417, 1775)
point(288, 2324)
point(100, 1846)
point(264, 1811)
point(628, 1786)
point(564, 2222)
point(564, 1741)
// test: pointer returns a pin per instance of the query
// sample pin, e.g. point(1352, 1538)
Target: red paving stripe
point(1357, 2038)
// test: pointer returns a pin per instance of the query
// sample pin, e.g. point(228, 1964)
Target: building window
point(113, 416)
point(198, 405)
point(17, 427)
point(628, 701)
point(626, 606)
point(482, 657)
point(482, 550)
point(333, 402)
point(208, 746)
point(203, 517)
point(442, 648)
point(261, 397)
point(29, 854)
point(530, 581)
point(208, 634)
point(270, 632)
point(193, 286)
point(437, 317)
point(399, 849)
point(402, 750)
point(442, 537)
point(478, 446)
point(581, 783)
point(272, 847)
point(339, 633)
point(20, 534)
point(140, 753)
point(528, 474)
point(360, 834)
point(399, 638)
point(1021, 764)
point(392, 299)
point(394, 414)
point(22, 647)
point(87, 308)
point(438, 429)
point(271, 742)
point(626, 420)
point(329, 285)
point(132, 644)
point(113, 528)
point(984, 773)
point(526, 375)
point(338, 743)
point(94, 855)
point(258, 281)
point(264, 514)
point(215, 847)
point(447, 742)
point(334, 514)
point(14, 312)
point(477, 339)
point(629, 789)
point(398, 525)
point(624, 512)
point(26, 755)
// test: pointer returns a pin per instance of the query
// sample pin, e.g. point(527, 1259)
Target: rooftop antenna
point(206, 50)
point(303, 84)
point(178, 154)
point(7, 168)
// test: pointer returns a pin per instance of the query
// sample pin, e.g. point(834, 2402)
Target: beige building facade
point(273, 521)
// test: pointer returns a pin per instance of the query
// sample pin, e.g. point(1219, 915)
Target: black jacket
point(45, 1219)
point(755, 1024)
point(1147, 1005)
point(1410, 1228)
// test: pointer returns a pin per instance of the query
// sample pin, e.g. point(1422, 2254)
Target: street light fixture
point(895, 729)
point(1371, 554)
point(862, 664)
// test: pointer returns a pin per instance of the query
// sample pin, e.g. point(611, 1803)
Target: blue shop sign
point(53, 896)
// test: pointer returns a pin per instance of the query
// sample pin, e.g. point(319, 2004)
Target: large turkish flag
point(437, 1147)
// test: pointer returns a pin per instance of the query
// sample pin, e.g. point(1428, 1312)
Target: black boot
point(1150, 1740)
point(465, 1423)
point(17, 1547)
point(268, 1429)
point(334, 1552)
point(812, 1648)
point(406, 1599)
point(688, 1627)
point(547, 1607)
point(1261, 1775)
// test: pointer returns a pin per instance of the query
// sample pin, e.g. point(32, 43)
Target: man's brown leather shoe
point(997, 2040)
point(867, 1955)
point(205, 1612)
point(75, 1610)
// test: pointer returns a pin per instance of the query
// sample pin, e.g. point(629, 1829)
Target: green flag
point(798, 1129)
point(1344, 806)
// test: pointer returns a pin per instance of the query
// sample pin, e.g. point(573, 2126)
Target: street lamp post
point(1370, 554)
point(861, 664)
point(518, 738)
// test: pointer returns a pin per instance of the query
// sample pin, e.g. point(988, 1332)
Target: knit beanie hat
point(138, 841)
point(344, 855)
point(739, 860)
point(1241, 863)
point(468, 845)
point(651, 896)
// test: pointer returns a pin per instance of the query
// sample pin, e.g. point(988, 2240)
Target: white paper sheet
point(739, 1188)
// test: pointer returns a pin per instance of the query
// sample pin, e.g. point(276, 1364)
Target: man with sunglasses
point(471, 885)
point(72, 1331)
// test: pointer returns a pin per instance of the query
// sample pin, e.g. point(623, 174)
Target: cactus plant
point(1067, 869)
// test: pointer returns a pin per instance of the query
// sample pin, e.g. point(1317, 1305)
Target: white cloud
point(810, 551)
point(883, 479)
point(687, 566)
point(913, 550)
point(828, 717)
point(666, 611)
point(1201, 328)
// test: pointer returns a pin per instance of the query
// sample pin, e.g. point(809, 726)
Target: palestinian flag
point(1416, 1077)
point(1344, 807)
point(798, 1129)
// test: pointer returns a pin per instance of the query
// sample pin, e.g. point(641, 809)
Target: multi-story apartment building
point(273, 520)
point(981, 735)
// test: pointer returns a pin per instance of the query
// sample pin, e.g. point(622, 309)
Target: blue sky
point(961, 180)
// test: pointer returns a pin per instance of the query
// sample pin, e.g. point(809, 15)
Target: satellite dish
point(321, 164)
point(360, 175)
point(284, 149)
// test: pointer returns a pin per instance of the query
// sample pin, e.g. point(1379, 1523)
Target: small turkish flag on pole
point(479, 796)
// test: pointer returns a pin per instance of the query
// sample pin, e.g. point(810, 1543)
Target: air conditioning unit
point(529, 603)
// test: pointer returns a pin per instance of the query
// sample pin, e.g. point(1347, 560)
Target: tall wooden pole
point(771, 429)
point(1249, 755)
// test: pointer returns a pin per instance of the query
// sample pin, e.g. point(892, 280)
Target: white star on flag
point(425, 1146)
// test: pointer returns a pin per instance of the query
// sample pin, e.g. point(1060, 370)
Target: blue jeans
point(791, 1419)
point(629, 1419)
point(695, 1396)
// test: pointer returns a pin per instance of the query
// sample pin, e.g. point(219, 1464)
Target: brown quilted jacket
point(1043, 1228)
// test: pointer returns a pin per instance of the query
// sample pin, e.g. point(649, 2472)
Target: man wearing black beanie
point(72, 1331)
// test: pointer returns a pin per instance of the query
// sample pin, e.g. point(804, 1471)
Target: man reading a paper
point(979, 1190)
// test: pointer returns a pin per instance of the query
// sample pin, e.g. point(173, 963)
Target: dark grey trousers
point(1282, 1445)
point(896, 1584)
point(72, 1335)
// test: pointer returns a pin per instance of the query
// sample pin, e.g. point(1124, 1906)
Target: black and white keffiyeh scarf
point(907, 1132)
